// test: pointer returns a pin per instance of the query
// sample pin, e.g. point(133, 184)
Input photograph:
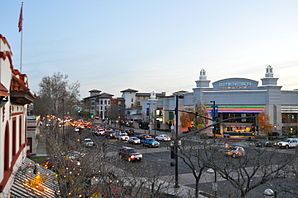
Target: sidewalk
point(41, 149)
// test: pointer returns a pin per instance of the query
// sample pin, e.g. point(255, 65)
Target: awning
point(21, 186)
point(3, 90)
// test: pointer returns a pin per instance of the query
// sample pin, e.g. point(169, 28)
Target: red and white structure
point(14, 98)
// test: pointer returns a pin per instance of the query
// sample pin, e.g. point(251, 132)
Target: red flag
point(20, 25)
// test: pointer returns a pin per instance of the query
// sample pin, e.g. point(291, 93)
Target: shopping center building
point(241, 97)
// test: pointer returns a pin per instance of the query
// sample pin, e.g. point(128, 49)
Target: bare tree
point(194, 157)
point(52, 89)
point(289, 184)
point(246, 173)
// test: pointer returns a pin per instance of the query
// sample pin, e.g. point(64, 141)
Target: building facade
point(97, 104)
point(140, 107)
point(242, 97)
point(14, 98)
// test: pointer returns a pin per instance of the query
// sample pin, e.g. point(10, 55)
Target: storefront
point(242, 97)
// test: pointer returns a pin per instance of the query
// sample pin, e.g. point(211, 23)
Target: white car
point(88, 142)
point(123, 137)
point(134, 140)
point(163, 137)
point(289, 143)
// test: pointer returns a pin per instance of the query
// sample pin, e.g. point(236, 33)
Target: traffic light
point(216, 129)
point(91, 115)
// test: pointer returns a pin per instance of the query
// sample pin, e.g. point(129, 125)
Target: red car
point(130, 154)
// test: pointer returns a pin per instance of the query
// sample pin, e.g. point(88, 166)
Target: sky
point(153, 45)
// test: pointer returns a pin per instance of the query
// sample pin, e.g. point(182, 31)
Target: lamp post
point(213, 114)
point(176, 141)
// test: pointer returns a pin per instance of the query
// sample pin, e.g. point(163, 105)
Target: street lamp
point(176, 140)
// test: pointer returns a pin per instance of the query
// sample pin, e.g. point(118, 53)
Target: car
point(77, 129)
point(143, 136)
point(123, 137)
point(130, 154)
point(112, 135)
point(235, 151)
point(289, 143)
point(99, 132)
point(130, 131)
point(107, 133)
point(150, 142)
point(122, 133)
point(163, 137)
point(264, 144)
point(134, 140)
point(88, 142)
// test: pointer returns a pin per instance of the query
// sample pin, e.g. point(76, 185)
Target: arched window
point(14, 135)
point(6, 148)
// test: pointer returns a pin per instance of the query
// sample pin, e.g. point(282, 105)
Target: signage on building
point(235, 83)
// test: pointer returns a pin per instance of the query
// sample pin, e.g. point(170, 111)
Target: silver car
point(88, 142)
point(134, 140)
point(163, 137)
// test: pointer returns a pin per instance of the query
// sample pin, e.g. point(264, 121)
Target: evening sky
point(159, 45)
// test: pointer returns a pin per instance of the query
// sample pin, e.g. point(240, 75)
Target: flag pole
point(21, 50)
point(21, 53)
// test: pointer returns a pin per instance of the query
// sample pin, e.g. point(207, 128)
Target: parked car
point(150, 142)
point(130, 131)
point(264, 144)
point(134, 140)
point(163, 137)
point(123, 137)
point(235, 151)
point(289, 143)
point(77, 129)
point(88, 142)
point(130, 154)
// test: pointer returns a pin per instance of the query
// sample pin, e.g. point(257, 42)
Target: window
point(105, 101)
point(14, 136)
point(132, 100)
point(20, 131)
point(6, 148)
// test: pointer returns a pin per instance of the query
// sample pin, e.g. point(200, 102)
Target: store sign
point(235, 85)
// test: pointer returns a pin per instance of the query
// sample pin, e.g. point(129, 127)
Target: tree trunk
point(197, 188)
point(243, 194)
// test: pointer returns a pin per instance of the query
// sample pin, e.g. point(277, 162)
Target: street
point(156, 162)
